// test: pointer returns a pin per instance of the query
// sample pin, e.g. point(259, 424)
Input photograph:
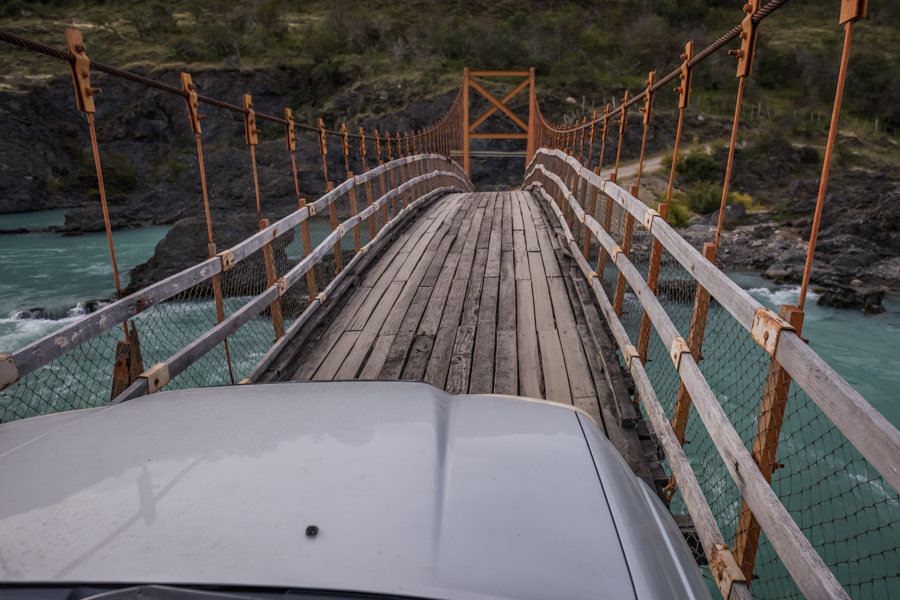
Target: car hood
point(413, 492)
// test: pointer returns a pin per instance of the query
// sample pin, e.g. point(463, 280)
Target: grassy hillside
point(393, 51)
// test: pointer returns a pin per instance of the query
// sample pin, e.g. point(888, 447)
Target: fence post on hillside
point(765, 445)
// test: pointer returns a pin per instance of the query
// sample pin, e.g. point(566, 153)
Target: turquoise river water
point(58, 275)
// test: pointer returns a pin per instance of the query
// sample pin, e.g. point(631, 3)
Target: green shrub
point(704, 197)
point(679, 214)
point(699, 166)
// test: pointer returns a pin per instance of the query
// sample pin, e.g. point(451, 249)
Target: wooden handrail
point(38, 353)
point(875, 438)
point(192, 352)
point(806, 567)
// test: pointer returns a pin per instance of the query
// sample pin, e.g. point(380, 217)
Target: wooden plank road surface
point(472, 297)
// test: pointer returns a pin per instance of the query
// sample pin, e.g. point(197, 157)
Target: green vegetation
point(392, 52)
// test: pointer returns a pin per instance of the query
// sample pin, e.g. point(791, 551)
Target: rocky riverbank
point(857, 257)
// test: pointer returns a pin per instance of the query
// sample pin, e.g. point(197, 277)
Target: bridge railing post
point(272, 279)
point(357, 242)
point(765, 446)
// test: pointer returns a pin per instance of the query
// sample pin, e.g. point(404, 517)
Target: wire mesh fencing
point(840, 501)
point(241, 301)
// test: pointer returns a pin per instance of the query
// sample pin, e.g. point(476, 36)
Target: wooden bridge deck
point(477, 296)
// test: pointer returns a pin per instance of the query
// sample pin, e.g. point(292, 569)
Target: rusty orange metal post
point(695, 343)
point(587, 162)
point(345, 148)
point(306, 241)
point(272, 279)
point(84, 100)
point(851, 11)
point(323, 151)
point(128, 351)
point(623, 121)
point(378, 148)
point(362, 149)
point(683, 91)
point(604, 134)
point(194, 118)
point(619, 297)
point(765, 446)
point(532, 119)
point(745, 64)
point(251, 137)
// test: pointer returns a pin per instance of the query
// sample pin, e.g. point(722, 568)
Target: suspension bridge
point(568, 289)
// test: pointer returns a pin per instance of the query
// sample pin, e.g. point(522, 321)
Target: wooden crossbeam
point(498, 104)
point(498, 136)
point(499, 73)
point(503, 100)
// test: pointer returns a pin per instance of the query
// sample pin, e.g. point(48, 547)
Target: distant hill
point(390, 52)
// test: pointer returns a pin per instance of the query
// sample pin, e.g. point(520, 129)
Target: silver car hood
point(413, 491)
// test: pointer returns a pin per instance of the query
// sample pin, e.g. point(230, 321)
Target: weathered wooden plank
point(393, 364)
point(417, 361)
point(310, 360)
point(543, 308)
point(506, 367)
point(520, 256)
point(431, 319)
point(506, 316)
point(553, 365)
point(369, 332)
point(322, 346)
point(473, 292)
point(461, 360)
point(531, 238)
point(329, 367)
point(492, 269)
point(482, 377)
point(548, 255)
point(376, 358)
point(526, 341)
point(576, 363)
point(517, 224)
point(441, 353)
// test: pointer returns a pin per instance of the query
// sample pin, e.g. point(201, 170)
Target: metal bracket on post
point(630, 354)
point(9, 372)
point(193, 102)
point(157, 377)
point(362, 148)
point(748, 40)
point(766, 329)
point(290, 135)
point(251, 133)
point(227, 258)
point(725, 569)
point(679, 347)
point(853, 10)
point(647, 108)
point(81, 72)
point(684, 86)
